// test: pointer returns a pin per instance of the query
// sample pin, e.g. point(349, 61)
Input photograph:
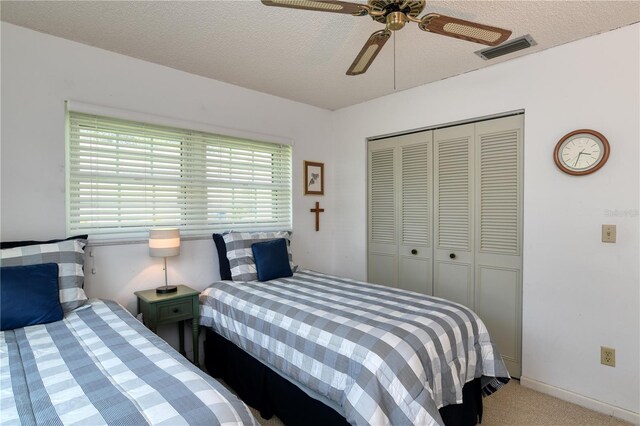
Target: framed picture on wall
point(313, 178)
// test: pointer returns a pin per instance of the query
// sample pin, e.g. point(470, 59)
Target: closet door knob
point(452, 256)
point(414, 251)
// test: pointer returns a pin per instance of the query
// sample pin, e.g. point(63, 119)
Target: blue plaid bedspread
point(98, 366)
point(384, 355)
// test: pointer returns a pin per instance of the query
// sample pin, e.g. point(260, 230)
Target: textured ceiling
point(303, 55)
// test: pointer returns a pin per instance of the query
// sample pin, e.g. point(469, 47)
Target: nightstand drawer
point(175, 310)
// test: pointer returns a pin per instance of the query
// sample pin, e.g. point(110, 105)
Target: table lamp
point(164, 242)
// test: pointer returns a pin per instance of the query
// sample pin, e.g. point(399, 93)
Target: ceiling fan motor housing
point(395, 10)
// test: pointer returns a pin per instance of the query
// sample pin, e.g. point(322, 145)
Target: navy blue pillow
point(29, 295)
point(223, 261)
point(272, 259)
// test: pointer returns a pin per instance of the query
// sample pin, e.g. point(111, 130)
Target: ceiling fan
point(395, 14)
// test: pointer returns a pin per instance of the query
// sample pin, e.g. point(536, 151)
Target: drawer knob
point(176, 310)
point(452, 255)
point(414, 251)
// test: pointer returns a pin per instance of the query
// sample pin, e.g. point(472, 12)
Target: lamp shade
point(164, 242)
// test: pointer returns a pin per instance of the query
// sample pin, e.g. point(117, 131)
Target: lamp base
point(166, 289)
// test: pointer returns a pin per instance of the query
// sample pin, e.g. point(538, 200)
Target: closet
point(445, 219)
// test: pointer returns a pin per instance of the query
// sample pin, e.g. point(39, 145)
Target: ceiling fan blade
point(465, 30)
point(369, 52)
point(320, 6)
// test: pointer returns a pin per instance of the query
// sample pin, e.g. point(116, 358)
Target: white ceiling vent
point(506, 48)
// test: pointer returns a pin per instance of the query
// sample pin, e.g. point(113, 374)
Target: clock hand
point(578, 158)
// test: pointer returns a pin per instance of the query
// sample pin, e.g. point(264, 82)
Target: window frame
point(197, 131)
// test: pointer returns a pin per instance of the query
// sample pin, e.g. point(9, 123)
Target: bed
point(66, 359)
point(353, 352)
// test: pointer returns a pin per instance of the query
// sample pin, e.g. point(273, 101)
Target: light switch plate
point(608, 233)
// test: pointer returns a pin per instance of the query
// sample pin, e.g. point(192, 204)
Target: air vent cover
point(506, 48)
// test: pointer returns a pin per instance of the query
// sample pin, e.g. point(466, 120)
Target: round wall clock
point(581, 152)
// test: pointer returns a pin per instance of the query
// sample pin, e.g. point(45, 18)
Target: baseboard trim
point(581, 400)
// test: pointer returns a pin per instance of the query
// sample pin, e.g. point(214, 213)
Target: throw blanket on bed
point(386, 356)
point(101, 366)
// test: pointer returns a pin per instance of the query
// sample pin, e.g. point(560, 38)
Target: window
point(125, 177)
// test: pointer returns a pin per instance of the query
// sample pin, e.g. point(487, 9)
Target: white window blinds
point(125, 177)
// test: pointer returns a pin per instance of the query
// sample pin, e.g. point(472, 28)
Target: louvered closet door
point(415, 249)
point(498, 291)
point(453, 276)
point(383, 243)
point(453, 197)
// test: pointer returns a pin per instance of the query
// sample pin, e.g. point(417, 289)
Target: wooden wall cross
point(317, 211)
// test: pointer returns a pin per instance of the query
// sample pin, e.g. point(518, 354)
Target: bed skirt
point(271, 394)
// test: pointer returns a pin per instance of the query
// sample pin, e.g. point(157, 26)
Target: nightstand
point(158, 309)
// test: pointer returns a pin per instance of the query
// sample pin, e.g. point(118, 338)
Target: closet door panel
point(382, 269)
point(452, 282)
point(415, 248)
point(498, 187)
point(454, 215)
point(415, 274)
point(382, 200)
point(498, 233)
point(498, 306)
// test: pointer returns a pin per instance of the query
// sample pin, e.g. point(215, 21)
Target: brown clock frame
point(605, 155)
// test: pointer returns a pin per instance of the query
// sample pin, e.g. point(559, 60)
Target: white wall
point(579, 293)
point(40, 72)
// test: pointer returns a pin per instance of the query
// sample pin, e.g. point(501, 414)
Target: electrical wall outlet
point(607, 356)
point(608, 233)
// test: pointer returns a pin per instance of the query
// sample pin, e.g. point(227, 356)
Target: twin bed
point(307, 347)
point(350, 352)
point(66, 359)
point(101, 366)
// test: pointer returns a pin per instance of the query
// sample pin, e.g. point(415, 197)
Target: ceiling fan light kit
point(396, 21)
point(395, 14)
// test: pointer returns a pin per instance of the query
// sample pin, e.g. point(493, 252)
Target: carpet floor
point(515, 405)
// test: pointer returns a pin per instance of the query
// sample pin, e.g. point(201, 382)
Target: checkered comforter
point(101, 366)
point(386, 356)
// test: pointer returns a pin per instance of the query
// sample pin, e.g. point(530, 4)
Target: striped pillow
point(69, 255)
point(241, 261)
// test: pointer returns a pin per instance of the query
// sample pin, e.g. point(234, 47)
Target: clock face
point(581, 152)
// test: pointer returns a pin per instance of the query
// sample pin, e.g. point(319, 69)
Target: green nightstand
point(168, 308)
